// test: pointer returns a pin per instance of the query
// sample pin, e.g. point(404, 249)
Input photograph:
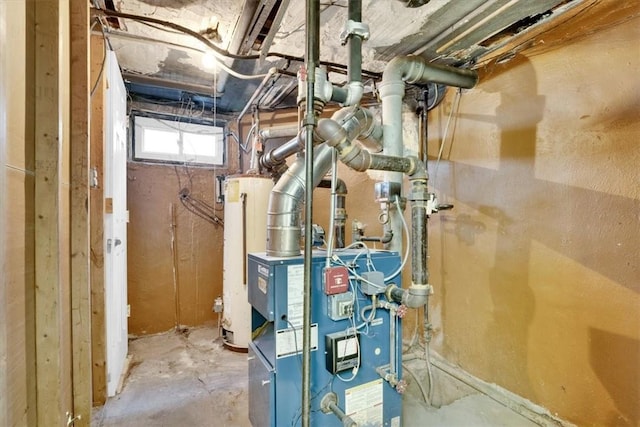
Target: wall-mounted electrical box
point(340, 306)
point(336, 280)
point(342, 351)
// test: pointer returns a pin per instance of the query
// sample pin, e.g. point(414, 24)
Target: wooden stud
point(96, 212)
point(80, 280)
point(4, 416)
point(50, 379)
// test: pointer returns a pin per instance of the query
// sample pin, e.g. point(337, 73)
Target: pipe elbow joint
point(354, 157)
point(354, 93)
point(414, 297)
point(418, 169)
point(331, 132)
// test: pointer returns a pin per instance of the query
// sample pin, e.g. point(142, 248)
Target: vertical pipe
point(243, 198)
point(419, 274)
point(312, 59)
point(354, 70)
point(392, 93)
point(392, 341)
point(341, 217)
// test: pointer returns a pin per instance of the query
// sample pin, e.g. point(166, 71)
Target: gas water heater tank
point(245, 230)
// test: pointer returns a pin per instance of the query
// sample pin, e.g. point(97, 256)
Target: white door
point(115, 223)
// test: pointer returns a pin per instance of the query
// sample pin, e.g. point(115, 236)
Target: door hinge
point(93, 178)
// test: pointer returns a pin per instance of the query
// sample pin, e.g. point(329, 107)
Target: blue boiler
point(356, 339)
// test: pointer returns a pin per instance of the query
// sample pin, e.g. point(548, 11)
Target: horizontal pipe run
point(276, 157)
point(417, 70)
point(278, 132)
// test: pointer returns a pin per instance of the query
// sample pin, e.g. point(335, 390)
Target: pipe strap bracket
point(353, 28)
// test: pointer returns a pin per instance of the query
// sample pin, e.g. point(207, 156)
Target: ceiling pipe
point(274, 160)
point(414, 70)
point(278, 132)
point(354, 33)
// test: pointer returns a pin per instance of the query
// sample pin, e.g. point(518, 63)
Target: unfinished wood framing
point(3, 138)
point(96, 213)
point(80, 283)
point(53, 374)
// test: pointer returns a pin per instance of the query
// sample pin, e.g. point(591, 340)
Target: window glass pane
point(180, 142)
point(199, 144)
point(160, 141)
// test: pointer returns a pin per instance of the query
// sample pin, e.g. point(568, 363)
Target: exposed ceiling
point(163, 45)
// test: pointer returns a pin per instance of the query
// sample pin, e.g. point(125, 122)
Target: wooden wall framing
point(96, 212)
point(80, 208)
point(49, 287)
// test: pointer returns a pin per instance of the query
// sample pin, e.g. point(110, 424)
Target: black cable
point(104, 58)
point(209, 44)
point(185, 30)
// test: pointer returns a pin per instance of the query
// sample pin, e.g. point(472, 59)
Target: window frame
point(140, 120)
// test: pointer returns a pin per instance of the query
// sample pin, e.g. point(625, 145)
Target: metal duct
point(283, 217)
point(361, 124)
point(285, 202)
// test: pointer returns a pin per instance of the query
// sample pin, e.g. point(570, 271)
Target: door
point(115, 223)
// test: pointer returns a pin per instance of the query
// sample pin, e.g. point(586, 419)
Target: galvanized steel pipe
point(312, 57)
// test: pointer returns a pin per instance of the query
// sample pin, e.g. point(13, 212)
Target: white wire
point(355, 370)
point(332, 214)
point(444, 135)
point(408, 243)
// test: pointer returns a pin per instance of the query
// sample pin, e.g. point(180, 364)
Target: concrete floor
point(189, 379)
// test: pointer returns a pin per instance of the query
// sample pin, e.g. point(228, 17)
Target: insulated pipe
point(410, 69)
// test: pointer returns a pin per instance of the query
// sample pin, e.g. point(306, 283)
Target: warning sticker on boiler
point(295, 294)
point(289, 341)
point(364, 404)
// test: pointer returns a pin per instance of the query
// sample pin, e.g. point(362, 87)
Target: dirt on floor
point(188, 378)
point(184, 378)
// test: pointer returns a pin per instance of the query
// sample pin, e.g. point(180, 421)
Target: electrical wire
point(104, 59)
point(332, 208)
point(456, 101)
point(408, 243)
point(425, 396)
point(199, 207)
point(216, 51)
point(220, 54)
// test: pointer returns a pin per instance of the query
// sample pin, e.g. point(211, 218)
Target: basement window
point(173, 141)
